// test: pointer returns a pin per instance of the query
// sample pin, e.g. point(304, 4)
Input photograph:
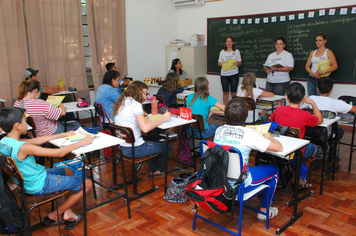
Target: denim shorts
point(57, 180)
point(229, 83)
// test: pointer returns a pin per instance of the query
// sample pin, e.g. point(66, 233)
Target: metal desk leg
point(166, 167)
point(325, 153)
point(352, 142)
point(84, 195)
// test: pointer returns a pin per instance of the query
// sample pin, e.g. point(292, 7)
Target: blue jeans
point(277, 88)
point(264, 174)
point(208, 133)
point(73, 125)
point(312, 84)
point(148, 148)
point(231, 81)
point(57, 180)
point(307, 152)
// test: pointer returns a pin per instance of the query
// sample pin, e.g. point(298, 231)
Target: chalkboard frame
point(286, 13)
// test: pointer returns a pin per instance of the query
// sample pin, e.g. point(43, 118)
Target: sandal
point(71, 224)
point(47, 221)
point(304, 185)
point(273, 212)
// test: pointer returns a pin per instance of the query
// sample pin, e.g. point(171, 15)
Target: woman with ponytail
point(44, 115)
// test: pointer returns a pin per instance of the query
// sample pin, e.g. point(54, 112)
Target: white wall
point(146, 45)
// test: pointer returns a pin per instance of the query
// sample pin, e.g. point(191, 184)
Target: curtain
point(56, 47)
point(13, 48)
point(107, 37)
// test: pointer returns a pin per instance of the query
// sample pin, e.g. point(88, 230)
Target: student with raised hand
point(30, 73)
point(278, 77)
point(295, 117)
point(201, 102)
point(170, 88)
point(44, 115)
point(248, 89)
point(245, 139)
point(229, 77)
point(108, 93)
point(319, 55)
point(39, 181)
point(176, 67)
point(128, 112)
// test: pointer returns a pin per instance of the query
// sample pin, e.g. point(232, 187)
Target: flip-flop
point(71, 224)
point(305, 185)
point(47, 221)
point(155, 175)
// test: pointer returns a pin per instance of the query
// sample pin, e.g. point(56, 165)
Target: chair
point(234, 171)
point(101, 115)
point(251, 107)
point(126, 133)
point(29, 202)
point(160, 99)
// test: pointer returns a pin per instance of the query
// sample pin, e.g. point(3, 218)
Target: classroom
point(150, 26)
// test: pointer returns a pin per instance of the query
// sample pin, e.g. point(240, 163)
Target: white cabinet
point(193, 59)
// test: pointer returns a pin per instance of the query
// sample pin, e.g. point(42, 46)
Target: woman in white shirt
point(319, 55)
point(128, 112)
point(277, 66)
point(229, 75)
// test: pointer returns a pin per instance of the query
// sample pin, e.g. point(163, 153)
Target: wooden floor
point(333, 213)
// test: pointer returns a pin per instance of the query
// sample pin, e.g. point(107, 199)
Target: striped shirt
point(44, 115)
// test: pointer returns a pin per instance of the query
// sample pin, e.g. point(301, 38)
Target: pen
point(74, 140)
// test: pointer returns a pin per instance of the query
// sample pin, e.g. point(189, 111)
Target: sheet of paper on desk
point(260, 129)
point(80, 133)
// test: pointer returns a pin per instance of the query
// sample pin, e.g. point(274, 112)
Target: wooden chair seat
point(141, 159)
point(38, 200)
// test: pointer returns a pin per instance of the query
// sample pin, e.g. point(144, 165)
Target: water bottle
point(154, 106)
point(351, 103)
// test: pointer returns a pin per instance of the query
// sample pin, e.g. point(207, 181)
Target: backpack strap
point(2, 160)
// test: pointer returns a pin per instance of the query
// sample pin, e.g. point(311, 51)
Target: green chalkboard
point(255, 35)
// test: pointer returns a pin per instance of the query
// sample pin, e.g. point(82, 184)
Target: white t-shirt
point(331, 104)
point(127, 117)
point(224, 56)
point(284, 58)
point(243, 139)
point(315, 60)
point(256, 93)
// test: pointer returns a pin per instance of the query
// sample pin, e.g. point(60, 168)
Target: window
point(86, 43)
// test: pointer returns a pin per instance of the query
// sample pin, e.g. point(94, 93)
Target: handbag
point(176, 191)
point(184, 153)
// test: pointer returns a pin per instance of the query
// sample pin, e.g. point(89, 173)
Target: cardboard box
point(74, 165)
point(185, 82)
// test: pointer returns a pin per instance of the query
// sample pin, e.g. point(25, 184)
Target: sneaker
point(273, 212)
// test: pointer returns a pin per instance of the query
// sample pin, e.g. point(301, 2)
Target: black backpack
point(11, 215)
point(212, 191)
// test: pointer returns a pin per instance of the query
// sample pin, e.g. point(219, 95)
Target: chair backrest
point(290, 131)
point(348, 99)
point(11, 169)
point(122, 132)
point(235, 160)
point(200, 124)
point(101, 115)
point(31, 123)
point(160, 99)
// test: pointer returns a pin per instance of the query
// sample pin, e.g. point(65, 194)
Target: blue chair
point(234, 172)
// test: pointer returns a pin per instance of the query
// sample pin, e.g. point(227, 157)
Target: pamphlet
point(227, 65)
point(270, 65)
point(61, 83)
point(55, 100)
point(323, 66)
point(260, 129)
point(80, 133)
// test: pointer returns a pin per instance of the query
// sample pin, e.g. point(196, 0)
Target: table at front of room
point(72, 107)
point(175, 121)
point(66, 92)
point(291, 145)
point(273, 99)
point(100, 141)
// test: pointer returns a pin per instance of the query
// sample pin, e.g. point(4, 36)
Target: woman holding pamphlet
point(277, 66)
point(321, 63)
point(229, 61)
point(43, 113)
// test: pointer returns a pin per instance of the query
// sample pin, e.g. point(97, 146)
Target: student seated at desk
point(176, 67)
point(235, 134)
point(324, 102)
point(30, 73)
point(170, 88)
point(38, 180)
point(248, 89)
point(295, 117)
point(124, 82)
point(128, 112)
point(200, 102)
point(108, 93)
point(44, 115)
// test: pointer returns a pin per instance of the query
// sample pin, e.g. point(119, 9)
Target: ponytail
point(27, 86)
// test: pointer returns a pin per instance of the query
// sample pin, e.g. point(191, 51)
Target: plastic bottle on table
point(154, 106)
